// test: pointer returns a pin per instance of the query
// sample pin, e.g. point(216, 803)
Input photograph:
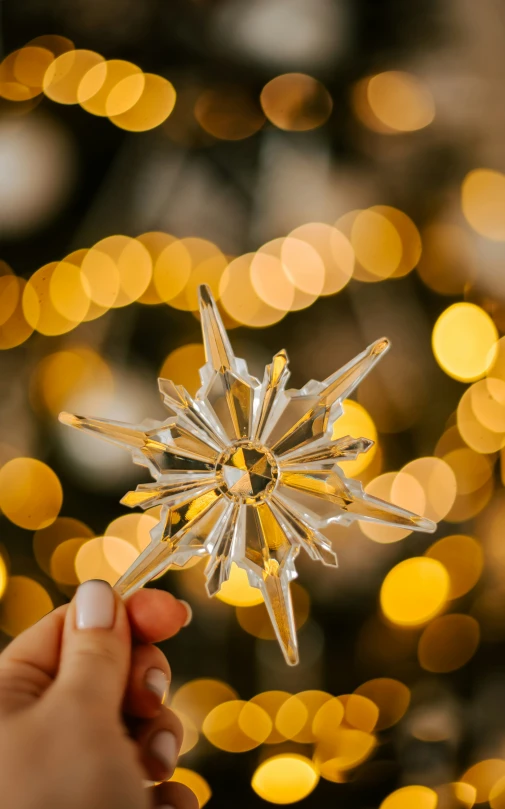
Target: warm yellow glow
point(463, 340)
point(414, 591)
point(361, 712)
point(303, 265)
point(182, 366)
point(208, 263)
point(196, 783)
point(295, 717)
point(24, 603)
point(381, 486)
point(376, 243)
point(198, 698)
point(329, 716)
point(152, 108)
point(296, 102)
point(134, 528)
point(104, 558)
point(286, 778)
point(237, 726)
point(496, 795)
point(62, 564)
point(132, 269)
point(98, 83)
point(102, 276)
point(391, 697)
point(256, 622)
point(463, 558)
point(356, 421)
point(69, 292)
point(474, 433)
point(3, 576)
point(38, 307)
point(30, 493)
point(269, 278)
point(488, 403)
point(228, 113)
point(347, 749)
point(483, 202)
point(335, 251)
point(400, 101)
point(438, 482)
point(448, 262)
point(63, 76)
point(271, 702)
point(172, 270)
point(408, 234)
point(448, 643)
point(66, 374)
point(413, 797)
point(30, 64)
point(237, 591)
point(15, 329)
point(484, 777)
point(240, 299)
point(155, 242)
point(46, 540)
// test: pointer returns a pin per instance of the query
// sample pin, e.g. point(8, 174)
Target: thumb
point(96, 648)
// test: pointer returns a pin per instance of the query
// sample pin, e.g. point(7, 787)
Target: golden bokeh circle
point(24, 603)
point(463, 558)
point(483, 202)
point(104, 558)
point(286, 778)
point(152, 108)
point(391, 697)
point(413, 797)
point(30, 493)
point(415, 591)
point(448, 643)
point(296, 102)
point(463, 340)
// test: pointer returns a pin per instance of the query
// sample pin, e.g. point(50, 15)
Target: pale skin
point(81, 712)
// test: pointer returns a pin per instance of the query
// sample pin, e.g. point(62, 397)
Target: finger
point(149, 682)
point(156, 615)
point(160, 741)
point(172, 794)
point(96, 648)
point(29, 663)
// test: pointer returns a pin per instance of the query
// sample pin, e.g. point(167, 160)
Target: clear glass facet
point(248, 473)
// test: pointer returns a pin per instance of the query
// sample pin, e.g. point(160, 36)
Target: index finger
point(156, 615)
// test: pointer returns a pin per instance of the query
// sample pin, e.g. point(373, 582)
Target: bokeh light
point(414, 591)
point(463, 558)
point(237, 591)
point(285, 778)
point(394, 101)
point(104, 558)
point(30, 493)
point(196, 783)
point(296, 102)
point(24, 603)
point(448, 643)
point(182, 366)
point(391, 697)
point(463, 340)
point(484, 776)
point(415, 797)
point(483, 202)
point(237, 726)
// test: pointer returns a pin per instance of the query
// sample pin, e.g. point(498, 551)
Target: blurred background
point(334, 170)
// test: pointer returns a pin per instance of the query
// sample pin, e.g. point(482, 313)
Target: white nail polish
point(189, 611)
point(157, 682)
point(164, 747)
point(95, 606)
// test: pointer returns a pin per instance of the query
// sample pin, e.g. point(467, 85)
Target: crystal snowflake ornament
point(247, 472)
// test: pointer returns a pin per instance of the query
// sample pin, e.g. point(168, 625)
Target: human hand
point(82, 722)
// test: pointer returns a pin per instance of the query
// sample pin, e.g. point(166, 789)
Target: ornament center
point(247, 471)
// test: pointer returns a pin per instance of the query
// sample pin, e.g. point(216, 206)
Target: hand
point(82, 722)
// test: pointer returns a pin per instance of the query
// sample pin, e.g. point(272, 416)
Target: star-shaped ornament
point(248, 472)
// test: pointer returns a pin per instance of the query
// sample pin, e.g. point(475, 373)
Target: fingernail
point(157, 682)
point(188, 610)
point(164, 748)
point(95, 605)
